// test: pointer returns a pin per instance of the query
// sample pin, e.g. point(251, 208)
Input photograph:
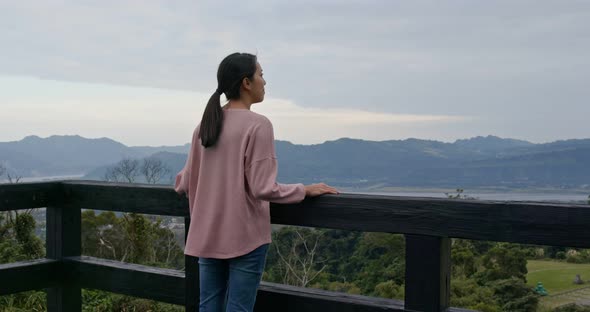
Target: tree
point(126, 170)
point(153, 170)
point(463, 258)
point(389, 290)
point(459, 195)
point(503, 261)
point(12, 178)
point(465, 293)
point(297, 252)
point(138, 231)
point(31, 246)
point(514, 295)
point(378, 258)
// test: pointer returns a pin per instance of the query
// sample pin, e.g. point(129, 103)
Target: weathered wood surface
point(142, 281)
point(63, 232)
point(534, 223)
point(28, 275)
point(63, 239)
point(428, 273)
point(125, 197)
point(29, 195)
point(520, 222)
point(279, 297)
point(167, 285)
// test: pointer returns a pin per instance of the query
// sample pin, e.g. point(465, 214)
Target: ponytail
point(212, 121)
point(232, 70)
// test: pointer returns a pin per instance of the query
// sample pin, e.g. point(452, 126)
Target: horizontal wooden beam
point(519, 222)
point(167, 285)
point(29, 195)
point(29, 275)
point(279, 297)
point(125, 197)
point(135, 280)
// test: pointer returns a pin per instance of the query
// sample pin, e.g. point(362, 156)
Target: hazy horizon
point(410, 138)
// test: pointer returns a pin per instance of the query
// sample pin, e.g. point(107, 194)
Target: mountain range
point(475, 162)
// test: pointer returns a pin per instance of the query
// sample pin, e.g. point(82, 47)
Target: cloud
point(147, 116)
point(304, 125)
point(506, 64)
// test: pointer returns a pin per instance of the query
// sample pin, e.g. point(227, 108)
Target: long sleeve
point(183, 178)
point(261, 169)
point(181, 183)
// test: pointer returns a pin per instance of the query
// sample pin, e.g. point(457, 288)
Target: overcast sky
point(140, 72)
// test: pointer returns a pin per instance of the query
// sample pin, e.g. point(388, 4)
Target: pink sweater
point(230, 185)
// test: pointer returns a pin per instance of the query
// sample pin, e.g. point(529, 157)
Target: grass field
point(557, 278)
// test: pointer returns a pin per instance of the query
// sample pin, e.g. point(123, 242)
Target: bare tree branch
point(153, 170)
point(126, 169)
point(301, 265)
point(104, 242)
point(288, 264)
point(13, 179)
point(110, 175)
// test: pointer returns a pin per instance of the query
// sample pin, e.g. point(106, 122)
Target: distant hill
point(420, 163)
point(491, 144)
point(64, 155)
point(149, 150)
point(479, 161)
point(173, 161)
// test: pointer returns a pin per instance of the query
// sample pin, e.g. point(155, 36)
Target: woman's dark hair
point(232, 70)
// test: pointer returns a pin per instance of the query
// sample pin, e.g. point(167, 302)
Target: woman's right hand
point(313, 190)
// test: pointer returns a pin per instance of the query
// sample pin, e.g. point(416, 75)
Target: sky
point(140, 72)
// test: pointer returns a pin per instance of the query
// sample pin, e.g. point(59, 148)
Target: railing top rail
point(543, 223)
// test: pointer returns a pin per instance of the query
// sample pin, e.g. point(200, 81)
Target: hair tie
point(218, 91)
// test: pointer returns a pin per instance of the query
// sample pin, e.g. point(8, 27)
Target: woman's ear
point(246, 84)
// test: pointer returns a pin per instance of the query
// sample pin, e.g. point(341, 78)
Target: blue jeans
point(231, 284)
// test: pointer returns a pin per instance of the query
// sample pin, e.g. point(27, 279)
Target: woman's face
point(257, 85)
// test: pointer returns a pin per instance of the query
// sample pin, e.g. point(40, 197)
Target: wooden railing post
point(191, 276)
point(428, 269)
point(63, 240)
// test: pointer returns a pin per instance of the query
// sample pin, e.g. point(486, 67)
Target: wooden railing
point(428, 223)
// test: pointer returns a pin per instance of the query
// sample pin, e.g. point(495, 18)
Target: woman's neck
point(238, 104)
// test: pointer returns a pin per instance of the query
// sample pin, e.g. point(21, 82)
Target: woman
point(230, 178)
